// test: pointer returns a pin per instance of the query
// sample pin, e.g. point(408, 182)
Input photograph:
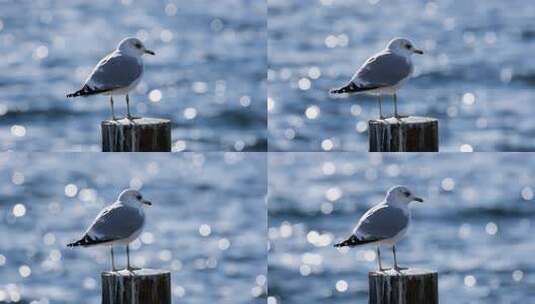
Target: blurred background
point(207, 224)
point(208, 75)
point(476, 77)
point(475, 227)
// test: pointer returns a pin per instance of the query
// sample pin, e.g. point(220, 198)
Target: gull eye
point(407, 194)
point(138, 45)
point(138, 197)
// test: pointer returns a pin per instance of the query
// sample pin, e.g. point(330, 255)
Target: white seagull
point(383, 73)
point(117, 74)
point(118, 224)
point(386, 223)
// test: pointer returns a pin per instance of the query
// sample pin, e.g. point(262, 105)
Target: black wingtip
point(80, 92)
point(88, 241)
point(352, 88)
point(334, 91)
point(87, 91)
point(85, 241)
point(349, 88)
point(353, 241)
point(75, 244)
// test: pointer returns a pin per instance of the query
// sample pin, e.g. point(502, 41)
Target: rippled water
point(206, 225)
point(476, 76)
point(208, 75)
point(475, 228)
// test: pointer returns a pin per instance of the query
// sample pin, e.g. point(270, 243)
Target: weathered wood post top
point(411, 286)
point(144, 286)
point(136, 135)
point(407, 134)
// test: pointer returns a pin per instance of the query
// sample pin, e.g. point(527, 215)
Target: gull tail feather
point(353, 241)
point(87, 91)
point(87, 241)
point(351, 88)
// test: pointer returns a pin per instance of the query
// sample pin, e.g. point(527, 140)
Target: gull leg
point(130, 117)
point(112, 260)
point(396, 106)
point(396, 114)
point(379, 259)
point(379, 99)
point(112, 111)
point(128, 257)
point(396, 267)
point(128, 267)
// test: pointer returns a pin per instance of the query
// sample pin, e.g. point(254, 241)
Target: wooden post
point(412, 286)
point(138, 135)
point(136, 287)
point(409, 134)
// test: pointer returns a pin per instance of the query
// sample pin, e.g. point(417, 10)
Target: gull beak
point(418, 51)
point(417, 199)
point(148, 203)
point(150, 52)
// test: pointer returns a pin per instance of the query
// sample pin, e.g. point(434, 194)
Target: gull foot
point(131, 270)
point(130, 117)
point(399, 269)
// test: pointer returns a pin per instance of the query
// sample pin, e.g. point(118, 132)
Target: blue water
point(476, 77)
point(475, 227)
point(44, 204)
point(208, 76)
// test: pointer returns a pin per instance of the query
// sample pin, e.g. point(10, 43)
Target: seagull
point(385, 223)
point(116, 74)
point(118, 224)
point(383, 73)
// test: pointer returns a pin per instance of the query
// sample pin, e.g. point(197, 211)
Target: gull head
point(401, 194)
point(133, 198)
point(133, 47)
point(403, 47)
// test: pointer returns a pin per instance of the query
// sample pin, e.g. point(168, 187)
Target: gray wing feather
point(383, 69)
point(116, 222)
point(114, 71)
point(381, 222)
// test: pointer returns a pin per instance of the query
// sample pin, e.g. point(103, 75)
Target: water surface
point(476, 77)
point(475, 227)
point(208, 75)
point(207, 224)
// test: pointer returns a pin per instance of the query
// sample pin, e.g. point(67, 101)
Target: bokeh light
point(471, 215)
point(198, 239)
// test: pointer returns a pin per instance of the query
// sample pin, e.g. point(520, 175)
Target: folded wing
point(114, 71)
point(382, 70)
point(116, 222)
point(381, 222)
